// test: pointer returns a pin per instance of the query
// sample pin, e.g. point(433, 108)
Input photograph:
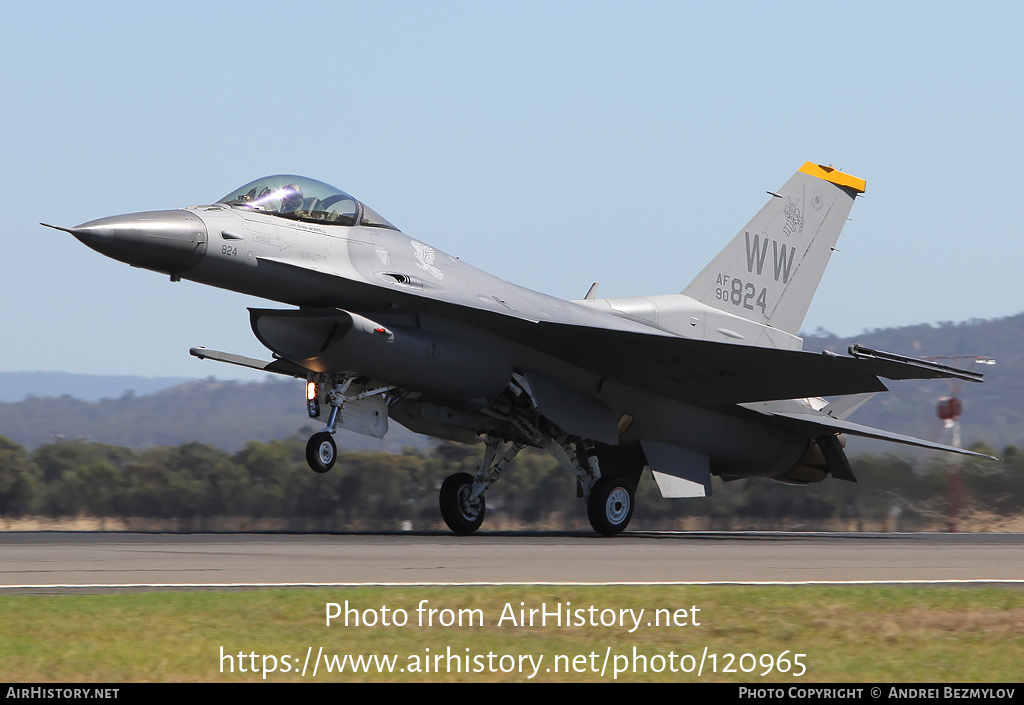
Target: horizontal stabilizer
point(280, 367)
point(815, 423)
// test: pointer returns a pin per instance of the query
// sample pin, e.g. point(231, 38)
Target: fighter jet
point(710, 381)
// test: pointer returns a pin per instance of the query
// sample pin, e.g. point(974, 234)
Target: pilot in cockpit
point(291, 198)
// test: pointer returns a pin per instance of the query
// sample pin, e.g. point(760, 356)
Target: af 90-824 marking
point(739, 293)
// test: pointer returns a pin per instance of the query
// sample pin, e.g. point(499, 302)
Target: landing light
point(312, 400)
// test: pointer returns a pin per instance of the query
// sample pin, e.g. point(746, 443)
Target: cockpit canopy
point(300, 198)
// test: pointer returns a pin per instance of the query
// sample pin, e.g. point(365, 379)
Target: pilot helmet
point(291, 198)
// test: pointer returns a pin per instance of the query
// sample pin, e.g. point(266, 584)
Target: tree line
point(197, 483)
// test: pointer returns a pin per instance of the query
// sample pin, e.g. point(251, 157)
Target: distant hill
point(225, 414)
point(228, 414)
point(15, 386)
point(993, 411)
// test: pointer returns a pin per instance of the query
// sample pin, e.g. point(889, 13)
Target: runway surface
point(33, 561)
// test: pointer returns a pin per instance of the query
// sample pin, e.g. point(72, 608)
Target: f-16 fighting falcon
point(710, 381)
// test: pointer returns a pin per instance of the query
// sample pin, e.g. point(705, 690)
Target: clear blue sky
point(551, 143)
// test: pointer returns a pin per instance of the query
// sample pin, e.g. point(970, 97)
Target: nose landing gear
point(365, 412)
point(321, 451)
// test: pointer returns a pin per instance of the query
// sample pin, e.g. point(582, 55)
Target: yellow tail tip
point(834, 176)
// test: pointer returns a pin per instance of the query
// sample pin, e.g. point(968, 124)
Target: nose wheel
point(321, 452)
point(610, 505)
point(460, 511)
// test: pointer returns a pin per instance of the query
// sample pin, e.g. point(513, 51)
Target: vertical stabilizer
point(769, 272)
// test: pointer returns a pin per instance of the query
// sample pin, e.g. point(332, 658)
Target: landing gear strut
point(321, 450)
point(610, 498)
point(462, 494)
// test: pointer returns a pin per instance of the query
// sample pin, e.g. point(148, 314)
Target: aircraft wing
point(712, 374)
point(718, 374)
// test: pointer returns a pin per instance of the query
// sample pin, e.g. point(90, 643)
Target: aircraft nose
point(164, 241)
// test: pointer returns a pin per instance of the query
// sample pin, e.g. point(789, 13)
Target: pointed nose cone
point(164, 241)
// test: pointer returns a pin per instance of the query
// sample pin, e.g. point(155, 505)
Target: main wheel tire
point(610, 506)
point(321, 452)
point(460, 516)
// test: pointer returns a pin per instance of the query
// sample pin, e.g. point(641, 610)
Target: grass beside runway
point(848, 634)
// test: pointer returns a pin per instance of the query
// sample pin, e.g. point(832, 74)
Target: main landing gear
point(462, 495)
point(610, 505)
point(609, 499)
point(462, 512)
